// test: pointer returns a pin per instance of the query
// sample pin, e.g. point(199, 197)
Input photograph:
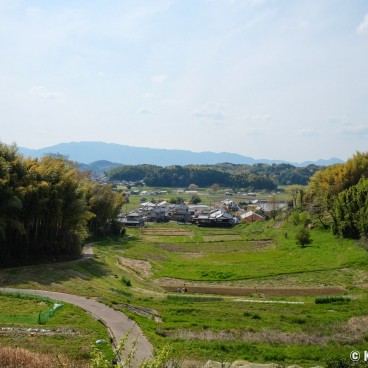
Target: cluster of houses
point(225, 215)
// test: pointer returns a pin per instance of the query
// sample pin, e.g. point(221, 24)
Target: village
point(225, 213)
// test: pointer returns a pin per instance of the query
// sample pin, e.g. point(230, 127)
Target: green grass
point(22, 311)
point(220, 328)
point(242, 260)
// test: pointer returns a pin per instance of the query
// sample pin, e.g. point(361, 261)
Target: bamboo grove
point(340, 193)
point(48, 208)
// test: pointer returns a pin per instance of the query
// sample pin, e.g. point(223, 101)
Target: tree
point(105, 205)
point(193, 187)
point(176, 200)
point(275, 206)
point(350, 211)
point(338, 193)
point(302, 236)
point(294, 191)
point(215, 187)
point(196, 199)
point(44, 212)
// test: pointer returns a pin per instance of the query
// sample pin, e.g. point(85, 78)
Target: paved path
point(117, 323)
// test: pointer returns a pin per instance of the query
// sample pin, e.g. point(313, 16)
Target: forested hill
point(258, 177)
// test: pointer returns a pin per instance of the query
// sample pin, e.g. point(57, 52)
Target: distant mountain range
point(111, 154)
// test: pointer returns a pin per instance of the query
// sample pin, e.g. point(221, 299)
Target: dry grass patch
point(165, 232)
point(340, 336)
point(216, 238)
point(357, 325)
point(19, 358)
point(142, 268)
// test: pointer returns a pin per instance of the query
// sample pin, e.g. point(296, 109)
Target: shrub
point(196, 199)
point(344, 362)
point(302, 236)
point(332, 299)
point(126, 281)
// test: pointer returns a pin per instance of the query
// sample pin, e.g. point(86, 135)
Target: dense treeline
point(258, 176)
point(183, 176)
point(286, 174)
point(48, 208)
point(341, 193)
point(281, 174)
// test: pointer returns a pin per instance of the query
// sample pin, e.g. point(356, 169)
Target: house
point(229, 205)
point(179, 212)
point(153, 212)
point(191, 192)
point(163, 204)
point(133, 219)
point(215, 218)
point(251, 216)
point(198, 208)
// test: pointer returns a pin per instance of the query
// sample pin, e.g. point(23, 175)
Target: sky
point(275, 79)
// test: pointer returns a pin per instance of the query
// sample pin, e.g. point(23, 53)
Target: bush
point(126, 281)
point(196, 199)
point(331, 299)
point(344, 362)
point(302, 236)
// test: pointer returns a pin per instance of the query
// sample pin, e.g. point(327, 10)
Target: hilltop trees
point(184, 176)
point(47, 207)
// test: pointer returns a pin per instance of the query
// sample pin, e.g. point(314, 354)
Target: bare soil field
point(162, 231)
point(233, 291)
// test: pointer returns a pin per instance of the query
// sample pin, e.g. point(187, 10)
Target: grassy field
point(272, 317)
point(69, 333)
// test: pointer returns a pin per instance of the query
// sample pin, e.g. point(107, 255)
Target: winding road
point(117, 323)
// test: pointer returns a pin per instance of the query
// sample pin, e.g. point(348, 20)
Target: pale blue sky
point(276, 79)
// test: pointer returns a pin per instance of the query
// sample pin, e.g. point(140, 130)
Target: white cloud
point(144, 111)
point(210, 111)
point(43, 92)
point(363, 27)
point(159, 78)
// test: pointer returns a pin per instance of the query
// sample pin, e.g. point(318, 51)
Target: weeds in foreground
point(18, 357)
point(164, 358)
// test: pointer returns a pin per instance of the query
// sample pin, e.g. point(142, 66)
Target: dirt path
point(87, 250)
point(279, 221)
